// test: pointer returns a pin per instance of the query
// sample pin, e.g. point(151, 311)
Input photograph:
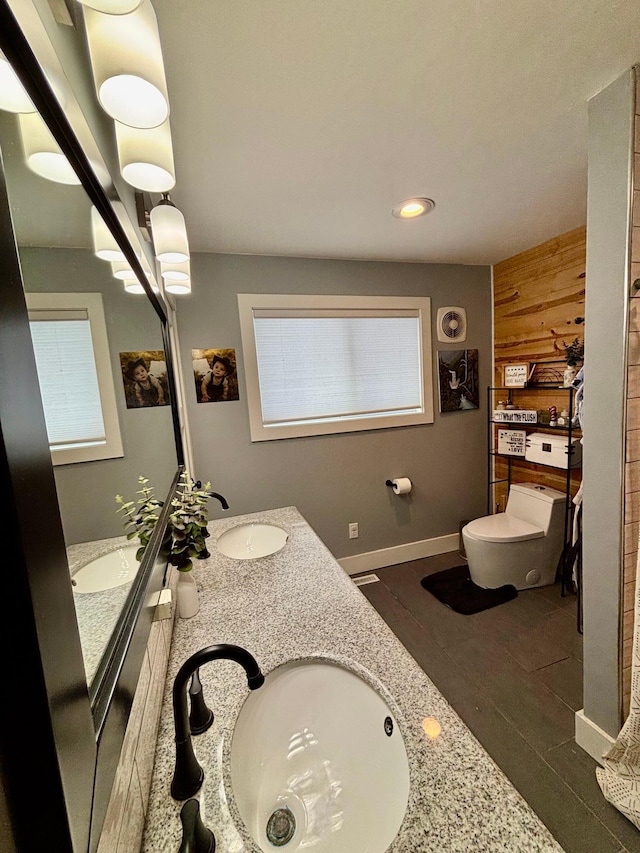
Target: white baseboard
point(592, 738)
point(371, 560)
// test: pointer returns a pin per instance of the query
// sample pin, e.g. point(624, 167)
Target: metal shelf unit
point(539, 426)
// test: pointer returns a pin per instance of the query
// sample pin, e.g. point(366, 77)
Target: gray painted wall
point(608, 220)
point(87, 490)
point(334, 480)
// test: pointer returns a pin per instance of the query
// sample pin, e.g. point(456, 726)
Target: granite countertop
point(97, 612)
point(300, 603)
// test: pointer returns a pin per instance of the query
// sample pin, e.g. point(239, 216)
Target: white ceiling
point(298, 124)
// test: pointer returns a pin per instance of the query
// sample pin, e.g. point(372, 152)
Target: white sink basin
point(113, 569)
point(311, 756)
point(250, 541)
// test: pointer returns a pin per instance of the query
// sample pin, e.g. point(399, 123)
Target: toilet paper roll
point(401, 485)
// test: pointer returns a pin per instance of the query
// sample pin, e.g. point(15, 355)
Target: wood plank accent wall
point(632, 456)
point(538, 296)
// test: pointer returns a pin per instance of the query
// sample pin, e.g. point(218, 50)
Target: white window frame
point(92, 304)
point(248, 303)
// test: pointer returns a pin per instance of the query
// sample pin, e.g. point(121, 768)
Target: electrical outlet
point(353, 530)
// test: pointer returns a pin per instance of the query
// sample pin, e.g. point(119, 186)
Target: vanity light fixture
point(132, 285)
point(105, 246)
point(127, 65)
point(13, 97)
point(112, 7)
point(169, 232)
point(413, 207)
point(128, 72)
point(122, 270)
point(42, 153)
point(176, 271)
point(180, 288)
point(146, 157)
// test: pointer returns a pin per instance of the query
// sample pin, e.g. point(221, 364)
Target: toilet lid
point(503, 528)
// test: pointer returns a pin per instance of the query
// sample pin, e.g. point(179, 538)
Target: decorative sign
point(512, 442)
point(516, 416)
point(516, 375)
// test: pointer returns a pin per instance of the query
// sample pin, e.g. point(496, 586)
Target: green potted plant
point(574, 352)
point(141, 515)
point(574, 356)
point(186, 531)
point(188, 524)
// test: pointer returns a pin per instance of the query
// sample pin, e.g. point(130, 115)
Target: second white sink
point(250, 541)
point(113, 569)
point(317, 761)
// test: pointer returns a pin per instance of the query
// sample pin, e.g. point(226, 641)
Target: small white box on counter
point(553, 450)
point(516, 416)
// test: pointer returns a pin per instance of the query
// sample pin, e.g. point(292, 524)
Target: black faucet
point(196, 837)
point(188, 774)
point(200, 717)
point(197, 484)
point(221, 498)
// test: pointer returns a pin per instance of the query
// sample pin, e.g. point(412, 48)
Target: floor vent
point(363, 579)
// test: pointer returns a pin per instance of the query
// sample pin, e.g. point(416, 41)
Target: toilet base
point(525, 565)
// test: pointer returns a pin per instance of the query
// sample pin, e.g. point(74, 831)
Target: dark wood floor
point(514, 676)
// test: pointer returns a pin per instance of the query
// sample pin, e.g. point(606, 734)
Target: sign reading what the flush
point(517, 416)
point(513, 442)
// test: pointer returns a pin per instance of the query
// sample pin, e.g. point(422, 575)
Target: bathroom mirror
point(75, 711)
point(52, 225)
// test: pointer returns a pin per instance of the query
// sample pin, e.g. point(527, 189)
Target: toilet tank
point(535, 503)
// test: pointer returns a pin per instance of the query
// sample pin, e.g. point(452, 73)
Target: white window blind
point(322, 368)
point(75, 377)
point(327, 364)
point(68, 380)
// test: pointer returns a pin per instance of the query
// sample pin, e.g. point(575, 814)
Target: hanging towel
point(575, 533)
point(619, 779)
point(578, 384)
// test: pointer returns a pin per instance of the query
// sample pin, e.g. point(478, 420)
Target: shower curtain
point(619, 779)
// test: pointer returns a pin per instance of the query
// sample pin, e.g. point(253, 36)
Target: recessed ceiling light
point(413, 207)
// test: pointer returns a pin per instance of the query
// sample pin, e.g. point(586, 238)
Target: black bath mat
point(455, 588)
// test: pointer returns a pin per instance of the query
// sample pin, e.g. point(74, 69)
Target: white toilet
point(521, 546)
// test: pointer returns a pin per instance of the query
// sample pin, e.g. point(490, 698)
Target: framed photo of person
point(215, 375)
point(144, 375)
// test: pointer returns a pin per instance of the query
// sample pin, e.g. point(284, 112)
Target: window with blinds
point(74, 373)
point(327, 364)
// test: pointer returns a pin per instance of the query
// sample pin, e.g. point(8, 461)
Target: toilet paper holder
point(392, 485)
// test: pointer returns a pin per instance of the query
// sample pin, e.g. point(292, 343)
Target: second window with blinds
point(73, 363)
point(316, 365)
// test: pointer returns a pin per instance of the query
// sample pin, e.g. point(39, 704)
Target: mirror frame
point(77, 733)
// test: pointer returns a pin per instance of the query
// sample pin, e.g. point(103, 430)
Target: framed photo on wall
point(458, 379)
point(215, 374)
point(144, 374)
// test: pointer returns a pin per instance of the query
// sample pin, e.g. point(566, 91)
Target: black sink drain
point(281, 827)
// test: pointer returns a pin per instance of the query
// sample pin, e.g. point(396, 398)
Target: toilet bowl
point(521, 546)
